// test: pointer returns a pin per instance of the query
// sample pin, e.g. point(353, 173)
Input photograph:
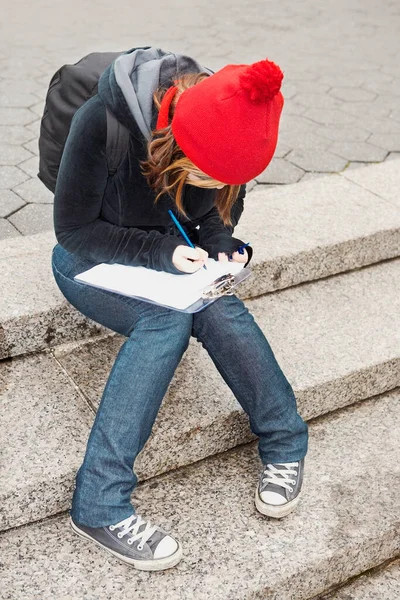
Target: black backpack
point(70, 87)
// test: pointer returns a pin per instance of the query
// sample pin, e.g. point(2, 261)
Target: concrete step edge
point(330, 361)
point(338, 530)
point(300, 232)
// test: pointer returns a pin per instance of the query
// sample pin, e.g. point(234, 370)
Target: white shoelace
point(280, 476)
point(132, 525)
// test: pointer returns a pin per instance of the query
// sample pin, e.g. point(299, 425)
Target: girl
point(196, 138)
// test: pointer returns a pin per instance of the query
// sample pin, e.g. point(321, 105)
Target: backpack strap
point(117, 142)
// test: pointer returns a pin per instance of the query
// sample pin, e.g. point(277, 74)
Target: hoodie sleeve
point(216, 237)
point(81, 182)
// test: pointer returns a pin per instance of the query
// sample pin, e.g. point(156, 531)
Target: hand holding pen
point(199, 253)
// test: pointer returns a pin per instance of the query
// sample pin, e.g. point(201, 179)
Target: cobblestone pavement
point(341, 62)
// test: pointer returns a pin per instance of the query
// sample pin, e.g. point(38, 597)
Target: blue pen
point(240, 249)
point(183, 232)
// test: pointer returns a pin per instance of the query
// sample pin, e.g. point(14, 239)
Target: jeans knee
point(168, 330)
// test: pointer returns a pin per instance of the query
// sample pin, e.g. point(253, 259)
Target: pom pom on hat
point(262, 80)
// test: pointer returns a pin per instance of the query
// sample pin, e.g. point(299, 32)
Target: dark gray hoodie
point(114, 219)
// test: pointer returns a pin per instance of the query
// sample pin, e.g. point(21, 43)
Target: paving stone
point(7, 230)
point(16, 88)
point(347, 134)
point(381, 179)
point(296, 123)
point(15, 116)
point(32, 146)
point(366, 109)
point(392, 88)
point(389, 141)
point(331, 116)
point(327, 540)
point(304, 141)
point(10, 177)
point(9, 202)
point(30, 166)
point(318, 100)
point(352, 94)
point(280, 171)
point(382, 583)
point(33, 190)
point(311, 176)
point(316, 161)
point(12, 154)
point(33, 218)
point(250, 185)
point(292, 108)
point(35, 128)
point(375, 125)
point(281, 150)
point(17, 99)
point(359, 151)
point(15, 134)
point(18, 64)
point(288, 89)
point(352, 80)
point(37, 109)
point(312, 87)
point(395, 114)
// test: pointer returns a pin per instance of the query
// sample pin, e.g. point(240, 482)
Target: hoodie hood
point(128, 83)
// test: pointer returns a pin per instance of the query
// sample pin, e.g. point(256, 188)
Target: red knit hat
point(227, 124)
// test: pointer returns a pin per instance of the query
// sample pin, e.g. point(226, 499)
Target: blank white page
point(177, 291)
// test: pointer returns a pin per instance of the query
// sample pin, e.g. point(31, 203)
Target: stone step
point(334, 339)
point(381, 583)
point(347, 522)
point(299, 232)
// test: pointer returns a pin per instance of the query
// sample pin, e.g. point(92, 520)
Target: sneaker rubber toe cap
point(273, 498)
point(166, 547)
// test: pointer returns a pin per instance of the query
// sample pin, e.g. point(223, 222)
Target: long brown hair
point(167, 167)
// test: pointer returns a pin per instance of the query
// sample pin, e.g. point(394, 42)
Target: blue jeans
point(157, 337)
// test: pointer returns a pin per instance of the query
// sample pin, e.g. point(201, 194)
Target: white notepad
point(168, 289)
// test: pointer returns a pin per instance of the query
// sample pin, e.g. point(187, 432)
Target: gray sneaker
point(136, 542)
point(278, 489)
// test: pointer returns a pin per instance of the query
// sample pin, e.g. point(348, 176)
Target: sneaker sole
point(275, 511)
point(156, 564)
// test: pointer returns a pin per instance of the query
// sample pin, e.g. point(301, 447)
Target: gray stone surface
point(378, 584)
point(340, 62)
point(351, 94)
point(7, 230)
point(12, 155)
point(321, 335)
point(15, 116)
point(10, 177)
point(389, 141)
point(34, 314)
point(359, 151)
point(43, 429)
point(9, 203)
point(337, 531)
point(31, 218)
point(280, 171)
point(299, 233)
point(317, 160)
point(34, 191)
point(323, 223)
point(382, 179)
